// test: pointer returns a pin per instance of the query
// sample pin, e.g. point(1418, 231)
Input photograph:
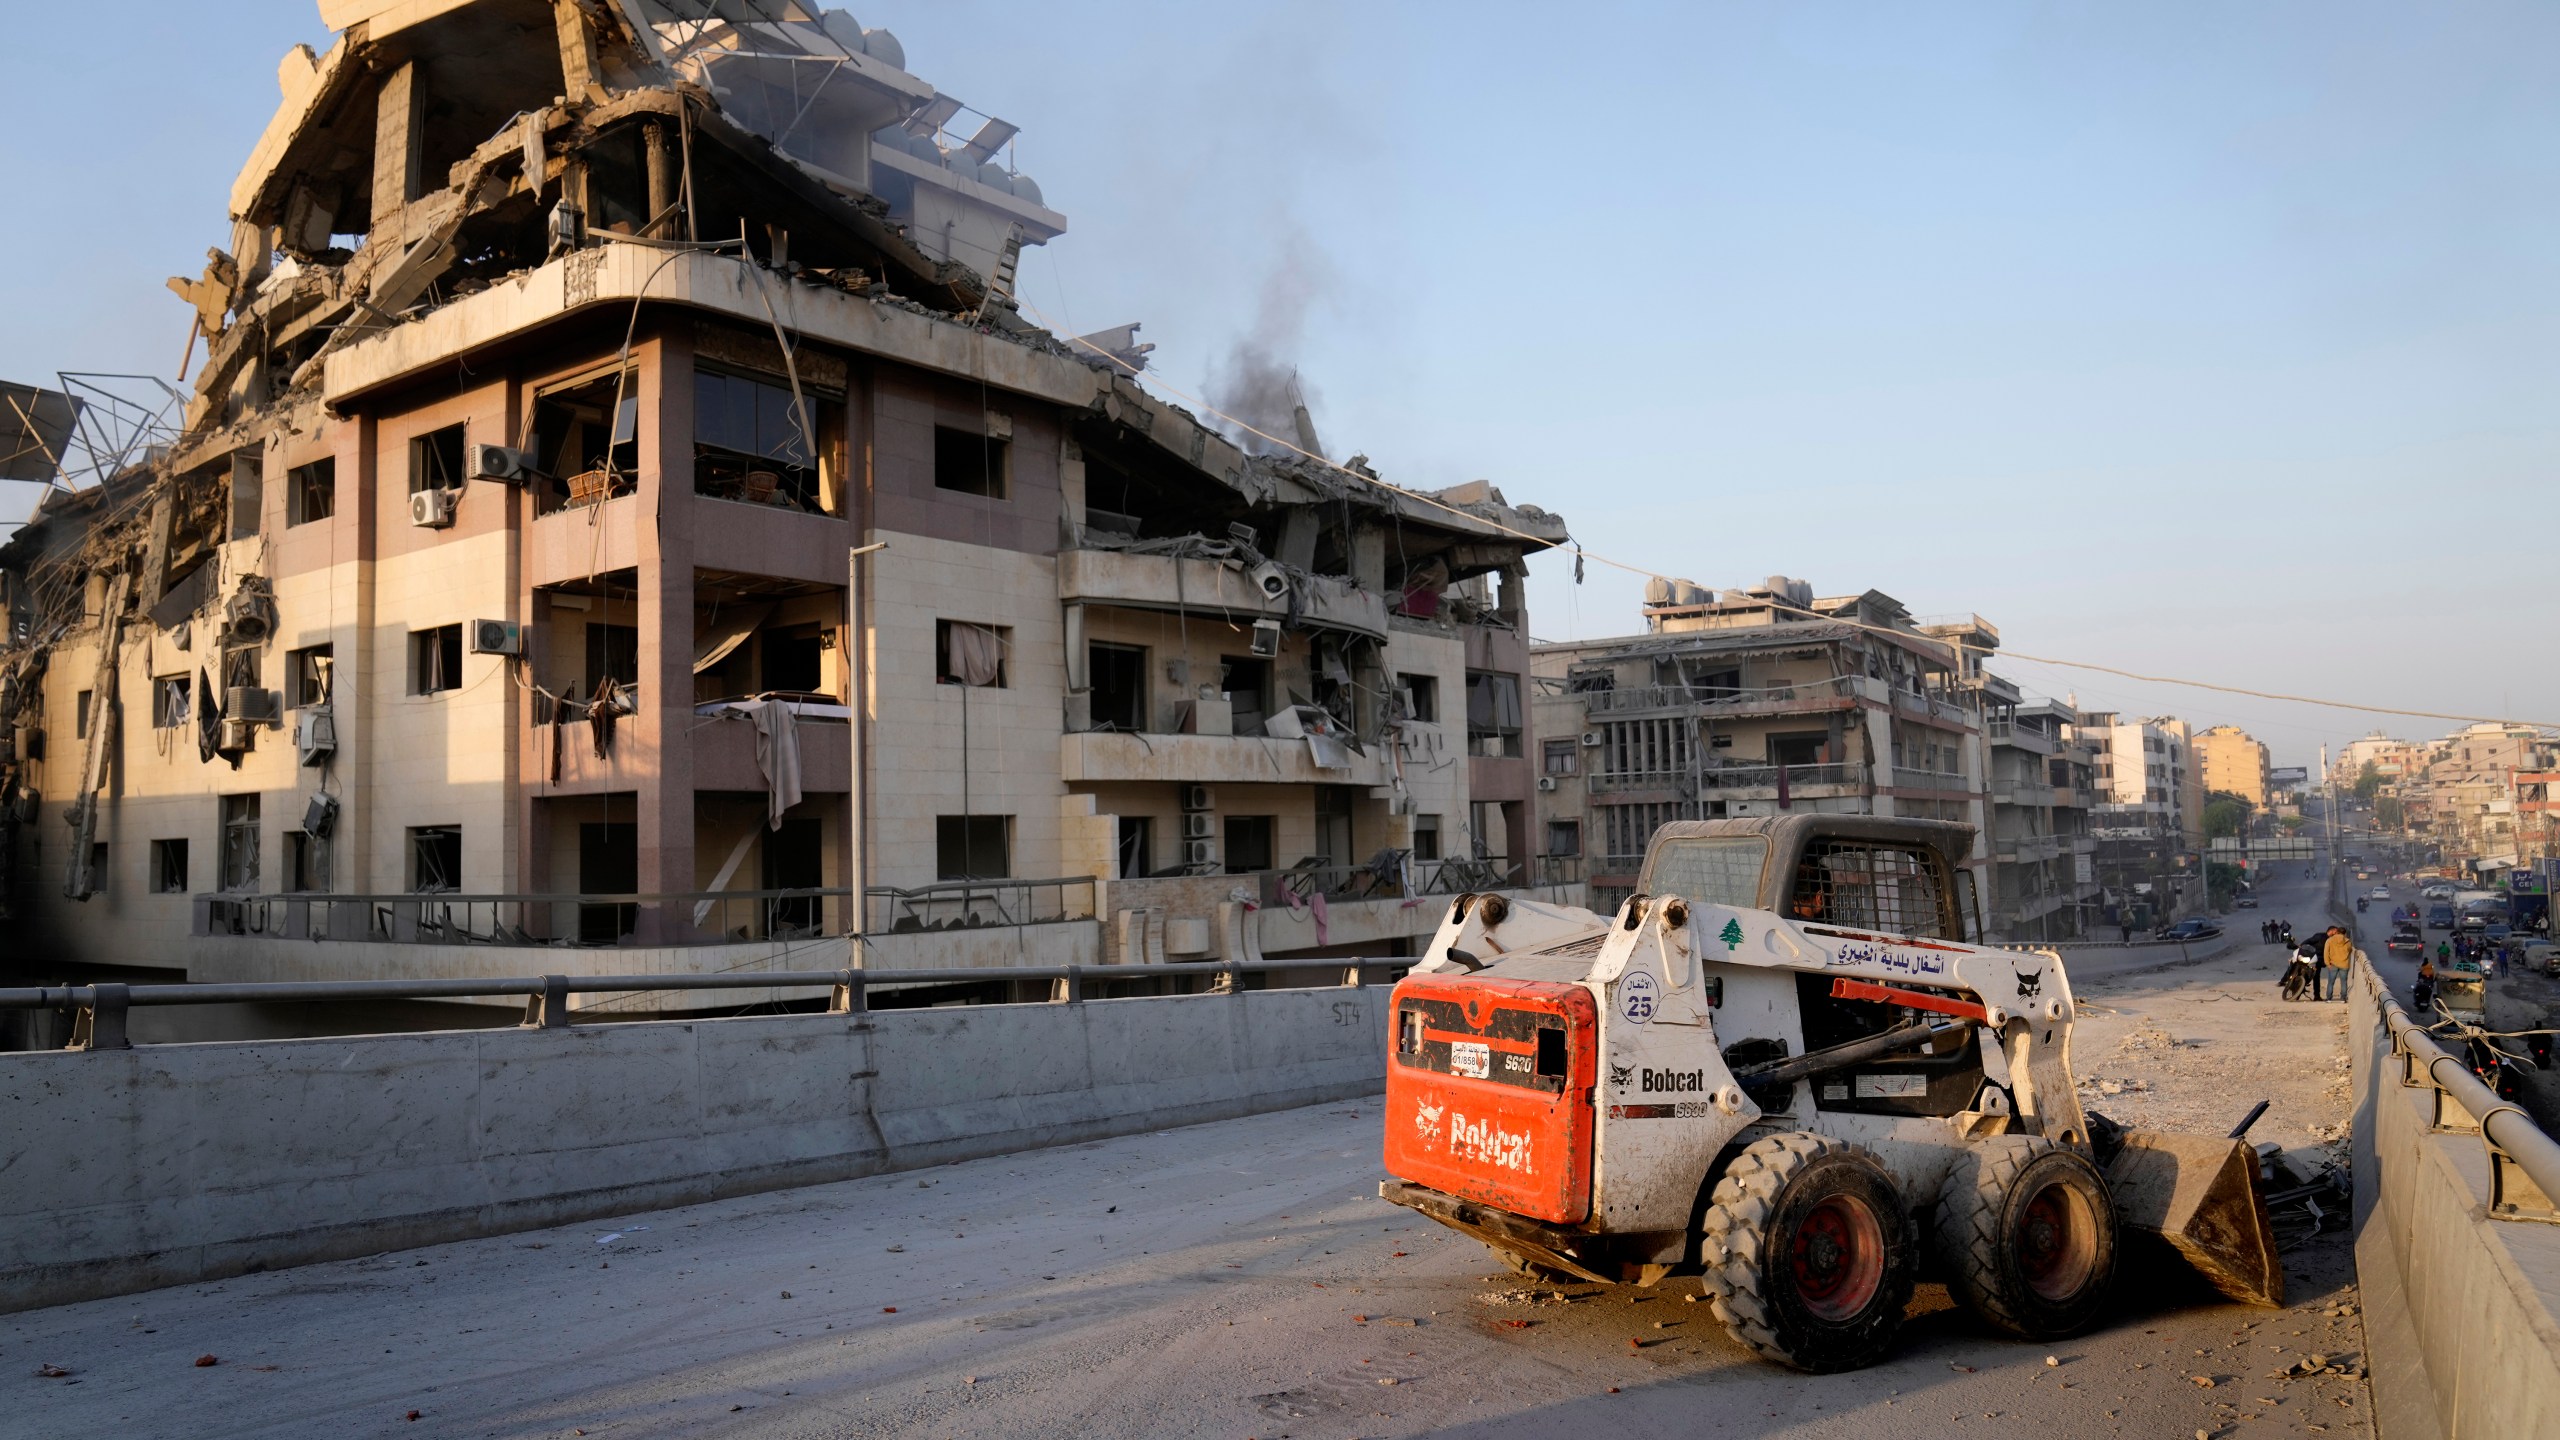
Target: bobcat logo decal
point(1426, 1119)
point(1619, 1075)
point(2029, 982)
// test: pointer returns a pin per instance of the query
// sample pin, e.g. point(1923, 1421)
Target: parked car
point(2405, 936)
point(2245, 902)
point(2187, 930)
point(2539, 955)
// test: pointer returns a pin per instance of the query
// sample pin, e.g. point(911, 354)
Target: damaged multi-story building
point(624, 522)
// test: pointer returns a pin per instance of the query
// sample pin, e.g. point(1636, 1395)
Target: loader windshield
point(1712, 870)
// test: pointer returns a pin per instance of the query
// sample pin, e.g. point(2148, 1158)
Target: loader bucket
point(2199, 1194)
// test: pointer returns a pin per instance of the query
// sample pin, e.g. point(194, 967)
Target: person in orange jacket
point(2335, 952)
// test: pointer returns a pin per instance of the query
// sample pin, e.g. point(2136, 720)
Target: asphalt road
point(1238, 1279)
point(2515, 1001)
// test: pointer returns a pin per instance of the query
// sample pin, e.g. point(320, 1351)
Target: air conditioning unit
point(1196, 826)
point(497, 462)
point(320, 816)
point(1590, 739)
point(1196, 797)
point(1546, 782)
point(432, 509)
point(1266, 637)
point(237, 734)
point(1271, 582)
point(315, 735)
point(497, 637)
point(1199, 852)
point(253, 706)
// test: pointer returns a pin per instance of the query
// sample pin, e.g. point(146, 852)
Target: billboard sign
point(2289, 775)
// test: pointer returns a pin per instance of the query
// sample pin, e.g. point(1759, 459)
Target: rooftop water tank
point(882, 46)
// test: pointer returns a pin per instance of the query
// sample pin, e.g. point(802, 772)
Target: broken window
point(971, 464)
point(169, 867)
point(1564, 837)
point(306, 676)
point(170, 697)
point(1333, 824)
point(608, 864)
point(80, 719)
point(435, 460)
point(1493, 713)
point(1426, 837)
point(435, 660)
point(1797, 749)
point(753, 442)
point(311, 491)
point(1119, 674)
point(1421, 695)
point(1137, 848)
point(303, 862)
point(966, 654)
point(795, 859)
point(239, 844)
point(613, 653)
point(1248, 843)
point(241, 668)
point(586, 440)
point(791, 659)
point(973, 847)
point(1247, 682)
point(435, 858)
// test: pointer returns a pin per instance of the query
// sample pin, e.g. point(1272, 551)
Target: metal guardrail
point(104, 1006)
point(2524, 1163)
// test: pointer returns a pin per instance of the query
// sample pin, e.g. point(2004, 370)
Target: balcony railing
point(1559, 869)
point(1909, 779)
point(671, 919)
point(1393, 881)
point(2021, 737)
point(1721, 699)
point(1732, 777)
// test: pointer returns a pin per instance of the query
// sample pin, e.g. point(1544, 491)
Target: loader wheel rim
point(2057, 1242)
point(1837, 1259)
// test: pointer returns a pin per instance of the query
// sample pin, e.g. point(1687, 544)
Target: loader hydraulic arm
point(1856, 1052)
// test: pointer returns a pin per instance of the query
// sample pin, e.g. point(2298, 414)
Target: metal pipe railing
point(104, 1005)
point(2524, 1163)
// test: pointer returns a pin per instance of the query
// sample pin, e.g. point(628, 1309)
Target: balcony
point(1835, 693)
point(1222, 587)
point(2022, 737)
point(2026, 849)
point(1098, 756)
point(1908, 779)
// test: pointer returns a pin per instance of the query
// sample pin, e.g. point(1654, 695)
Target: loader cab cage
point(1871, 885)
point(1895, 875)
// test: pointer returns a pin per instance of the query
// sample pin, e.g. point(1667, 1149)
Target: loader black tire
point(1810, 1253)
point(2026, 1236)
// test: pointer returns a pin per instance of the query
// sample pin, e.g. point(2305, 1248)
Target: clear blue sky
point(2203, 339)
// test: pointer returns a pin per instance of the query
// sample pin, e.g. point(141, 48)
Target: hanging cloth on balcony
point(778, 756)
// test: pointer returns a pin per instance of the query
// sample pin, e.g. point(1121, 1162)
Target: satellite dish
point(35, 428)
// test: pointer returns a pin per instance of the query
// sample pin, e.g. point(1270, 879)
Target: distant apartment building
point(2234, 763)
point(2148, 849)
point(2042, 794)
point(2478, 782)
point(601, 603)
point(1750, 702)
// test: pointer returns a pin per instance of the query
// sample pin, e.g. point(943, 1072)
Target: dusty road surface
point(1228, 1280)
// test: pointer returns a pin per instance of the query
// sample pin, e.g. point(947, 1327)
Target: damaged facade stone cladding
point(561, 353)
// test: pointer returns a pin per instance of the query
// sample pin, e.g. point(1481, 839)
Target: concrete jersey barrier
point(2462, 1310)
point(128, 1170)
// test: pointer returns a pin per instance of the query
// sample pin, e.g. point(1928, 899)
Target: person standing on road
point(2124, 931)
point(2334, 954)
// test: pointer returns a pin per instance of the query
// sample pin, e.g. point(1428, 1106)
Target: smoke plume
point(1257, 382)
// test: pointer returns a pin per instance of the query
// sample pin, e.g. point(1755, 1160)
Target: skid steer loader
point(1780, 1069)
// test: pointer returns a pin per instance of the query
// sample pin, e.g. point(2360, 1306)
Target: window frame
point(436, 636)
point(424, 456)
point(1570, 751)
point(421, 835)
point(299, 490)
point(942, 653)
point(162, 852)
point(995, 462)
point(237, 868)
point(169, 714)
point(304, 689)
point(950, 828)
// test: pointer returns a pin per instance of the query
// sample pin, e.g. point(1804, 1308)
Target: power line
point(1582, 552)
